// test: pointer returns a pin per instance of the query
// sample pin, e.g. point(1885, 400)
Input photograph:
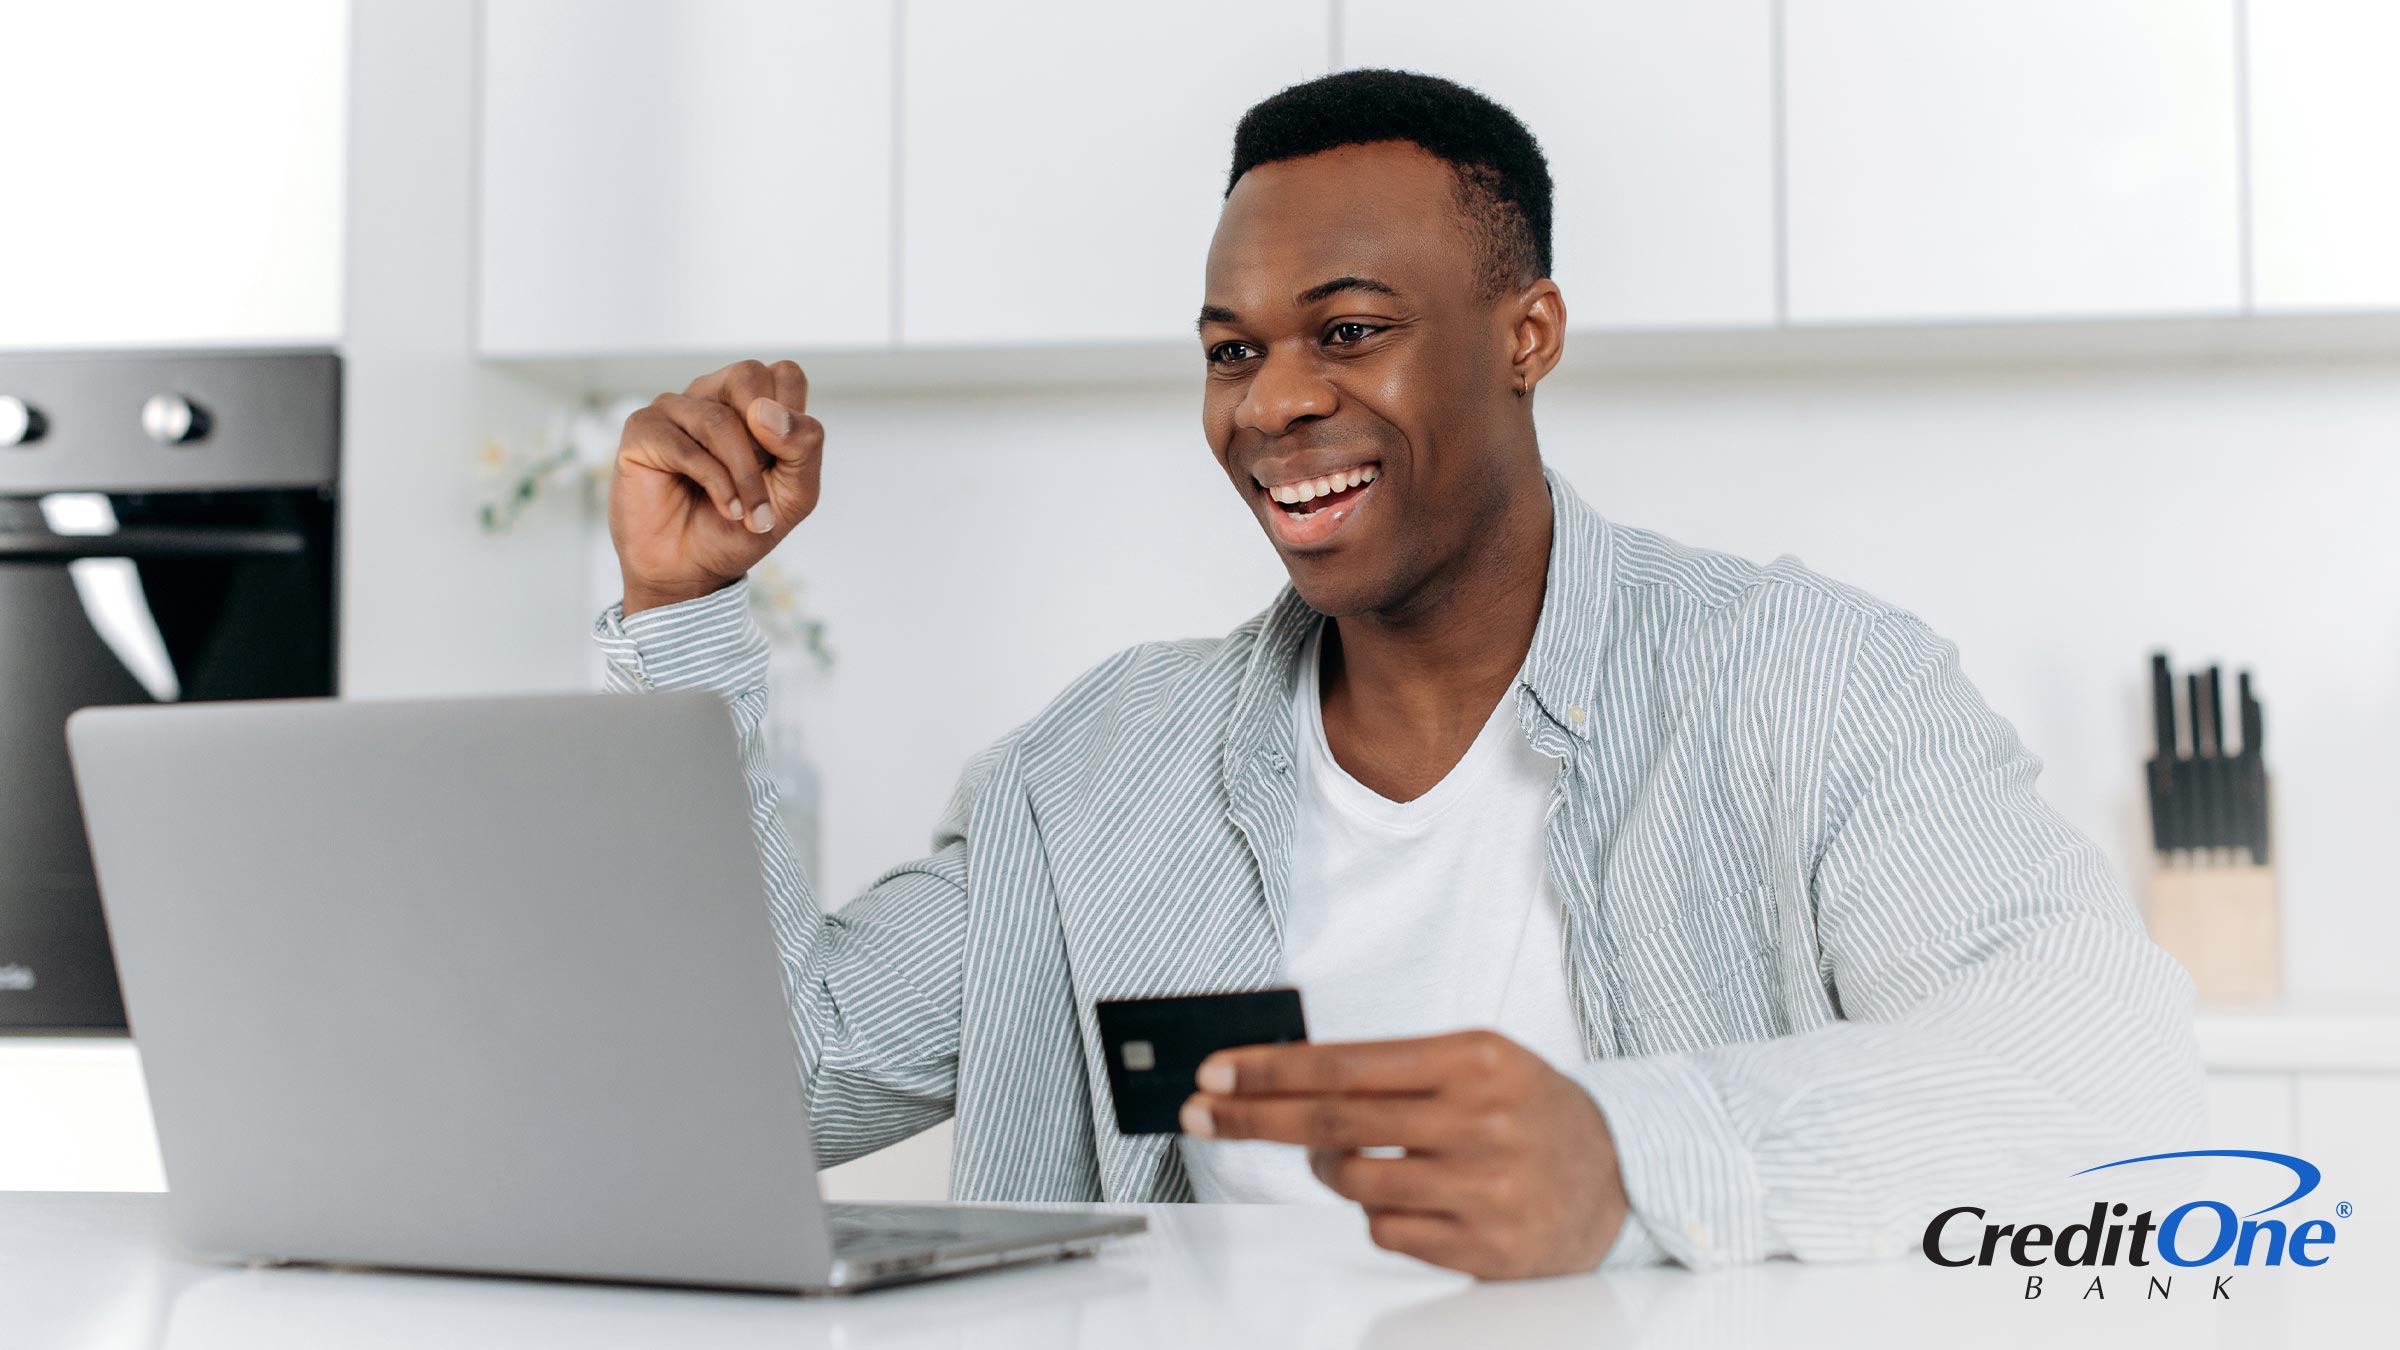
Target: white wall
point(2058, 525)
point(430, 605)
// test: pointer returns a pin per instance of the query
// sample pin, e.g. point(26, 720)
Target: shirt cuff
point(1692, 1185)
point(711, 643)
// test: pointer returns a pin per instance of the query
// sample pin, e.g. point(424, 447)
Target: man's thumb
point(773, 424)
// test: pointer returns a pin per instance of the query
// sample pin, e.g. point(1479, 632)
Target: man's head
point(1378, 302)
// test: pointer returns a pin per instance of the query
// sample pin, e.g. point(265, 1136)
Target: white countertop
point(2301, 1036)
point(95, 1272)
point(82, 1120)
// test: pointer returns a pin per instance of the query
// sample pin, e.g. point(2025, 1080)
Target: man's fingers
point(791, 385)
point(799, 462)
point(1418, 1123)
point(739, 385)
point(723, 434)
point(736, 384)
point(790, 436)
point(1423, 1064)
point(1436, 1238)
point(653, 440)
point(1429, 1185)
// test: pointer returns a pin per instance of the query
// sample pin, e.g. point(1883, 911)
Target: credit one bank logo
point(2196, 1233)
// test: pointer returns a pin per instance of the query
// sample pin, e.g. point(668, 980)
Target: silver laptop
point(480, 985)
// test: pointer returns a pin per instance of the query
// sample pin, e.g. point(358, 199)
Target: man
point(1646, 902)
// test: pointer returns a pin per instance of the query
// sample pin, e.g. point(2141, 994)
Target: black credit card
point(1154, 1046)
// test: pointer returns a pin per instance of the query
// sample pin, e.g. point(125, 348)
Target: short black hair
point(1503, 180)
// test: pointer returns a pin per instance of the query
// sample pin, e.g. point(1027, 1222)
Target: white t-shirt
point(1410, 919)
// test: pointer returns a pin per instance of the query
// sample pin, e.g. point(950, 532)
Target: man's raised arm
point(707, 482)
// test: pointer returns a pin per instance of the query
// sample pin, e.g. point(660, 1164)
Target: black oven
point(167, 534)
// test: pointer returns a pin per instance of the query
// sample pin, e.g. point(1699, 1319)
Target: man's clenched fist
point(709, 480)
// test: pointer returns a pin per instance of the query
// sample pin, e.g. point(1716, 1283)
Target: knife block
point(2222, 922)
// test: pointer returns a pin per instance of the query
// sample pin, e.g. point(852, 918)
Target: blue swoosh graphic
point(2301, 1168)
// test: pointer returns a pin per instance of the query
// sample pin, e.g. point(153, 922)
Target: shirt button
point(1575, 714)
point(1698, 1233)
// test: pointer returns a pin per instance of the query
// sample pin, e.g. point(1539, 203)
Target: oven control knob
point(20, 422)
point(172, 419)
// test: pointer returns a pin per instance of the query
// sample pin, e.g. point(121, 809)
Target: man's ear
point(1537, 333)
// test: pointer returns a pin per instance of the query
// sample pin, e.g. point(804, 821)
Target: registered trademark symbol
point(2342, 1210)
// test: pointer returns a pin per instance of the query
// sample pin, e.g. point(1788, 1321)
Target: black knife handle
point(2201, 814)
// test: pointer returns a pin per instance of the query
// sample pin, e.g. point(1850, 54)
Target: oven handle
point(151, 541)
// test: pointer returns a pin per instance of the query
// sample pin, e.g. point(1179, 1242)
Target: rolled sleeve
point(711, 643)
point(1692, 1185)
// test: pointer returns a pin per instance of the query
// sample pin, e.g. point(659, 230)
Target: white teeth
point(1326, 486)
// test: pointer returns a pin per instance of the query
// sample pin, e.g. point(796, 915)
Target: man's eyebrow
point(1343, 283)
point(1219, 314)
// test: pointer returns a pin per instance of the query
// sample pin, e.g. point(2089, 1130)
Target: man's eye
point(1342, 334)
point(1225, 352)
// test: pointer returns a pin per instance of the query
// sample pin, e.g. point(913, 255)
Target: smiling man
point(1647, 902)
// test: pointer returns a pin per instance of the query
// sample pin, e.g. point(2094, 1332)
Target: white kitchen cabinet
point(661, 175)
point(2037, 159)
point(2324, 154)
point(1063, 164)
point(1659, 125)
point(175, 173)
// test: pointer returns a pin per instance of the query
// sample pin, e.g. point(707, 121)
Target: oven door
point(141, 599)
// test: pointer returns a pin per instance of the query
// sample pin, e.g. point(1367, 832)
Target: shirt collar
point(1562, 667)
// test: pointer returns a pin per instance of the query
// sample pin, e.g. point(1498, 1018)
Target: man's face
point(1345, 336)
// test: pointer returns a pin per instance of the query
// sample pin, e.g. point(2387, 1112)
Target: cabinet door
point(1658, 122)
point(1063, 164)
point(2324, 153)
point(2041, 158)
point(174, 173)
point(686, 174)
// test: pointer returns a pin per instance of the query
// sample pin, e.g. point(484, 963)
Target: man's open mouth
point(1308, 496)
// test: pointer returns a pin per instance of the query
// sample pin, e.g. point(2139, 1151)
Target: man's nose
point(1286, 389)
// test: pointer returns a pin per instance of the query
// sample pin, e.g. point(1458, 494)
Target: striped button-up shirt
point(1835, 963)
